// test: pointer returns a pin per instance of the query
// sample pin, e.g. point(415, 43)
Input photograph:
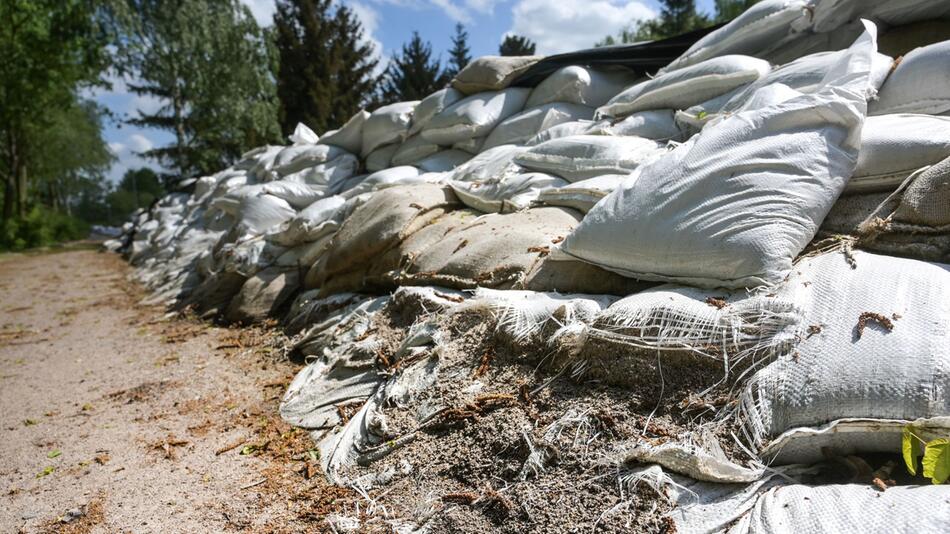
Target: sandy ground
point(116, 418)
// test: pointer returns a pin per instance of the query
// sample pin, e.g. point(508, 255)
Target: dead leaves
point(867, 317)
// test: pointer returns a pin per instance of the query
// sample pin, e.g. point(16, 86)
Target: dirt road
point(116, 418)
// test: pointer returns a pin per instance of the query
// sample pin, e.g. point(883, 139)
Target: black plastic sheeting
point(645, 58)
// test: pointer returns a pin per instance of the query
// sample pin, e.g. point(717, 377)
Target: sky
point(555, 25)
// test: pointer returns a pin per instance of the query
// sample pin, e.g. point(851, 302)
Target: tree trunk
point(9, 194)
point(21, 189)
point(179, 104)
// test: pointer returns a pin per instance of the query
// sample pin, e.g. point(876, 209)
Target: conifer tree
point(516, 45)
point(412, 73)
point(460, 54)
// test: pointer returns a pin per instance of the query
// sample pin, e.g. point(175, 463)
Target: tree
point(209, 64)
point(137, 189)
point(516, 45)
point(460, 54)
point(51, 48)
point(676, 17)
point(412, 74)
point(326, 65)
point(727, 10)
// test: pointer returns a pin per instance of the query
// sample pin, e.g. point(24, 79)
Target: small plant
point(936, 455)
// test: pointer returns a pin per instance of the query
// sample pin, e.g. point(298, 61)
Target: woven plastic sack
point(894, 146)
point(583, 195)
point(580, 157)
point(381, 158)
point(567, 129)
point(523, 126)
point(491, 73)
point(656, 124)
point(412, 150)
point(388, 124)
point(299, 157)
point(579, 85)
point(431, 106)
point(261, 213)
point(829, 15)
point(475, 116)
point(506, 192)
point(919, 84)
point(262, 294)
point(350, 136)
point(443, 161)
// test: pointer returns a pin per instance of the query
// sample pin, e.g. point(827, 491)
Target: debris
point(865, 317)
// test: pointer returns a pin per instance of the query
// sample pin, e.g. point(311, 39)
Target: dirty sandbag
point(506, 192)
point(390, 177)
point(919, 84)
point(474, 116)
point(262, 294)
point(261, 213)
point(895, 146)
point(764, 26)
point(491, 164)
point(805, 150)
point(579, 157)
point(412, 150)
point(313, 222)
point(568, 129)
point(584, 194)
point(443, 161)
point(350, 136)
point(523, 126)
point(431, 106)
point(680, 89)
point(491, 73)
point(304, 255)
point(388, 124)
point(303, 135)
point(579, 85)
point(381, 158)
point(472, 146)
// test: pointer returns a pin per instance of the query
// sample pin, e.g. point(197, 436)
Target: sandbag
point(261, 213)
point(829, 15)
point(303, 135)
point(579, 85)
point(313, 222)
point(431, 106)
point(580, 157)
point(299, 157)
point(894, 146)
point(475, 116)
point(506, 192)
point(472, 146)
point(327, 174)
point(523, 126)
point(682, 88)
point(491, 73)
point(734, 205)
point(388, 124)
point(655, 124)
point(298, 195)
point(403, 175)
point(262, 294)
point(350, 136)
point(584, 194)
point(919, 84)
point(568, 129)
point(443, 161)
point(412, 150)
point(489, 165)
point(381, 158)
point(764, 26)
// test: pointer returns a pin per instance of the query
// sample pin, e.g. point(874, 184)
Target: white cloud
point(568, 25)
point(263, 11)
point(140, 143)
point(127, 155)
point(458, 10)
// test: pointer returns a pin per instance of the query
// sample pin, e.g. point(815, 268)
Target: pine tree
point(676, 17)
point(516, 45)
point(412, 74)
point(325, 72)
point(460, 54)
point(727, 10)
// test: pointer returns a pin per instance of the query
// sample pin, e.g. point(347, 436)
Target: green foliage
point(209, 64)
point(460, 55)
point(412, 74)
point(935, 463)
point(676, 17)
point(325, 72)
point(41, 227)
point(516, 45)
point(727, 10)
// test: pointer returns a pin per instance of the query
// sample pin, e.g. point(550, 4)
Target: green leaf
point(249, 450)
point(936, 460)
point(47, 471)
point(53, 454)
point(911, 446)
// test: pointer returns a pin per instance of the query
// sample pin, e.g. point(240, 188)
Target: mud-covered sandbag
point(580, 157)
point(262, 294)
point(350, 136)
point(431, 106)
point(682, 88)
point(491, 73)
point(388, 124)
point(894, 146)
point(261, 213)
point(523, 126)
point(578, 85)
point(412, 150)
point(919, 84)
point(388, 217)
point(474, 116)
point(763, 26)
point(584, 194)
point(734, 205)
point(506, 192)
point(299, 157)
point(304, 255)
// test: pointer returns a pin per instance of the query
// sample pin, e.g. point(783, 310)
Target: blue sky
point(555, 25)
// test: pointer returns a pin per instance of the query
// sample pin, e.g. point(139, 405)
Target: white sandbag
point(475, 116)
point(298, 195)
point(327, 174)
point(584, 194)
point(763, 26)
point(894, 146)
point(472, 146)
point(829, 15)
point(388, 124)
point(296, 158)
point(518, 128)
point(350, 136)
point(253, 157)
point(654, 124)
point(579, 85)
point(412, 150)
point(404, 175)
point(580, 157)
point(490, 164)
point(431, 106)
point(261, 213)
point(317, 220)
point(568, 129)
point(381, 158)
point(505, 193)
point(734, 205)
point(444, 161)
point(682, 88)
point(919, 84)
point(491, 73)
point(228, 199)
point(303, 135)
